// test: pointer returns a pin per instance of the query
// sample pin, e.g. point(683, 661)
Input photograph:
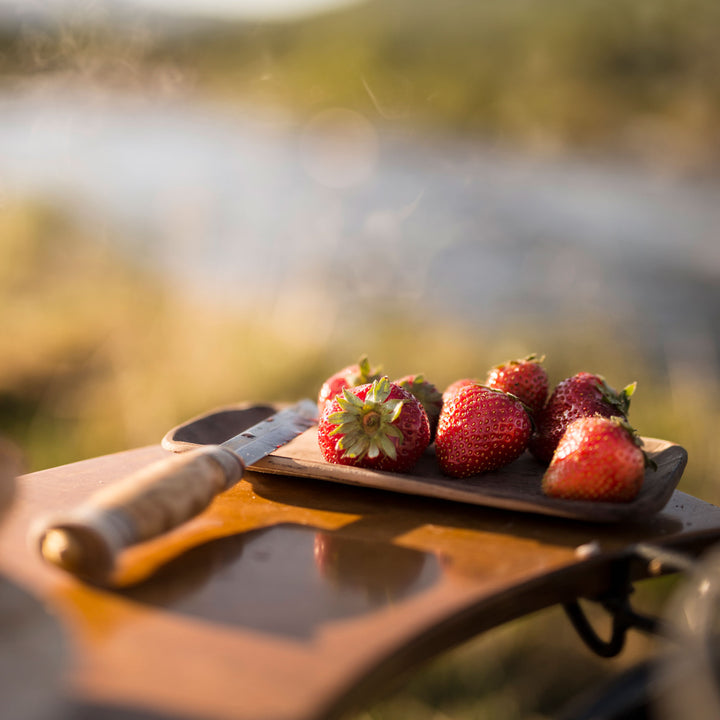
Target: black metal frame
point(616, 601)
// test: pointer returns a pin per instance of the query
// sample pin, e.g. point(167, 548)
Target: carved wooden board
point(297, 599)
point(514, 487)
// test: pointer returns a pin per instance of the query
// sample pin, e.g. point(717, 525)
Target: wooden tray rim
point(488, 490)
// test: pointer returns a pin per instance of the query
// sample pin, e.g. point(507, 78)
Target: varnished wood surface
point(297, 599)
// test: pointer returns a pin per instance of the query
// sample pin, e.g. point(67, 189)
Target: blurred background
point(205, 202)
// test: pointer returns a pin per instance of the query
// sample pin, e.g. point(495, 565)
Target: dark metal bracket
point(617, 600)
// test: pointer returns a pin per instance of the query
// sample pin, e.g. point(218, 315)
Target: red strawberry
point(452, 389)
point(378, 425)
point(582, 395)
point(598, 458)
point(427, 394)
point(480, 429)
point(526, 379)
point(359, 373)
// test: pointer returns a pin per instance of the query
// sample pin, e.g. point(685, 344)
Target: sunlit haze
point(223, 9)
point(244, 8)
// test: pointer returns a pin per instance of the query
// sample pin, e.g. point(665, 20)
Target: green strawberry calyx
point(635, 438)
point(365, 373)
point(619, 400)
point(532, 358)
point(366, 426)
point(424, 391)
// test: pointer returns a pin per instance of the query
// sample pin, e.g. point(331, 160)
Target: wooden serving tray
point(513, 487)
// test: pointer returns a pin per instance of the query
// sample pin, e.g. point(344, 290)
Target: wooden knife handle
point(158, 498)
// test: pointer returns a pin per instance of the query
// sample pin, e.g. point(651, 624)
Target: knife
point(87, 540)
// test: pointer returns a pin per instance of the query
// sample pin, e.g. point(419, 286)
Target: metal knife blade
point(87, 540)
point(268, 435)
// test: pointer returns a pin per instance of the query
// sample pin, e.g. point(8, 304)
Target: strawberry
point(598, 458)
point(353, 375)
point(581, 395)
point(427, 394)
point(526, 379)
point(452, 389)
point(378, 425)
point(480, 429)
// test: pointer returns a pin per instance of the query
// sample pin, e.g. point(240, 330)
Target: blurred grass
point(638, 79)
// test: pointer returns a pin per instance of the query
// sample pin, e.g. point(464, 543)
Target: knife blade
point(87, 541)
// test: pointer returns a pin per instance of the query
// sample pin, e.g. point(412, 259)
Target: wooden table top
point(297, 599)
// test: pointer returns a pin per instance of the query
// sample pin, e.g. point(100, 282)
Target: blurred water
point(321, 217)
